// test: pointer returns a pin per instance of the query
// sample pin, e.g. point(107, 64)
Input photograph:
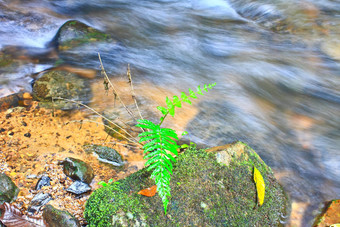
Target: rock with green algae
point(63, 84)
point(55, 218)
point(76, 41)
point(74, 33)
point(8, 190)
point(212, 187)
point(106, 154)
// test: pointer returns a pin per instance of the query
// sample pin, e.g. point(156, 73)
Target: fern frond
point(161, 143)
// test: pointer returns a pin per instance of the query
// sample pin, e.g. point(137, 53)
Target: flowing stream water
point(276, 64)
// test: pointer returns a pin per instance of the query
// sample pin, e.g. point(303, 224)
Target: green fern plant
point(161, 145)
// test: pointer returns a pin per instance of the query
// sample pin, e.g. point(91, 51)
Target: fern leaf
point(171, 107)
point(199, 90)
point(153, 166)
point(176, 101)
point(146, 138)
point(150, 155)
point(162, 109)
point(192, 94)
point(146, 133)
point(150, 161)
point(185, 98)
point(170, 157)
point(205, 88)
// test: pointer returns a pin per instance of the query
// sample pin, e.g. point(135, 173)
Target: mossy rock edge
point(205, 192)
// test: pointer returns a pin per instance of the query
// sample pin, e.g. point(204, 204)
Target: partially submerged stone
point(74, 33)
point(53, 84)
point(8, 190)
point(55, 218)
point(106, 154)
point(214, 188)
point(78, 44)
point(78, 170)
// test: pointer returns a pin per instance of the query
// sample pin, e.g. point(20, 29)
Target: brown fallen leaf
point(149, 192)
point(12, 217)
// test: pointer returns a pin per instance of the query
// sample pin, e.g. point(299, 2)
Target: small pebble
point(2, 129)
point(8, 116)
point(27, 135)
point(23, 123)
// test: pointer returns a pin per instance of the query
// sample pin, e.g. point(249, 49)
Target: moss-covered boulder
point(74, 33)
point(212, 187)
point(5, 59)
point(55, 218)
point(76, 41)
point(63, 84)
point(8, 190)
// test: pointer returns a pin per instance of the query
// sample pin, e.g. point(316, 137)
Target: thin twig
point(128, 73)
point(114, 90)
point(93, 110)
point(106, 127)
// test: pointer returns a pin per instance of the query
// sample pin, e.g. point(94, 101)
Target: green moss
point(229, 194)
point(5, 60)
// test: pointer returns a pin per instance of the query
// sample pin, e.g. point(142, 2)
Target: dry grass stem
point(128, 73)
point(96, 112)
point(113, 88)
point(106, 126)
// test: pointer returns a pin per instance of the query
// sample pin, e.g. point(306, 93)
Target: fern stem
point(164, 116)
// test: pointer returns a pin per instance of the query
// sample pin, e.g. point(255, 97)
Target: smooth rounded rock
point(61, 84)
point(56, 218)
point(78, 170)
point(8, 190)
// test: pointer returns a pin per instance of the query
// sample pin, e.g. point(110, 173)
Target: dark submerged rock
point(78, 170)
point(38, 201)
point(8, 190)
point(43, 181)
point(63, 84)
point(212, 188)
point(78, 188)
point(56, 218)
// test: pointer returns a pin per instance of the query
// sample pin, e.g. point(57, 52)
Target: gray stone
point(78, 188)
point(38, 201)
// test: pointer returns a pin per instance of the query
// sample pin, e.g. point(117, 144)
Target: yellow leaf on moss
point(260, 185)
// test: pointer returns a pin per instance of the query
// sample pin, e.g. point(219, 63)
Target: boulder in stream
point(213, 187)
point(74, 33)
point(78, 44)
